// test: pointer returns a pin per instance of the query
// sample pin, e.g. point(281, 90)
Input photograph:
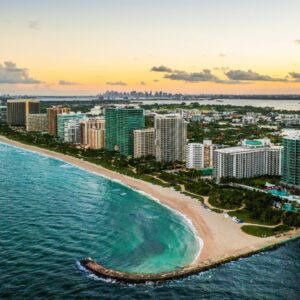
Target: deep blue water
point(53, 214)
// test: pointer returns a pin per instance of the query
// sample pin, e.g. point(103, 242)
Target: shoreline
point(184, 218)
point(223, 239)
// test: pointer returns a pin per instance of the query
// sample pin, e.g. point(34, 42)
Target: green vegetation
point(201, 199)
point(226, 198)
point(255, 207)
point(258, 182)
point(227, 135)
point(247, 217)
point(218, 211)
point(261, 231)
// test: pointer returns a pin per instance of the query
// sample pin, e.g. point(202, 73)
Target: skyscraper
point(170, 140)
point(291, 160)
point(52, 117)
point(120, 122)
point(17, 111)
point(144, 142)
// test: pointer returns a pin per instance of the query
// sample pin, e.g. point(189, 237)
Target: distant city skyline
point(191, 47)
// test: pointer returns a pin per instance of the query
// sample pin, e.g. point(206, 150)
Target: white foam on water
point(91, 275)
point(66, 166)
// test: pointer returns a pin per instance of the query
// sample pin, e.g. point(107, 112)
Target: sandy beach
point(222, 238)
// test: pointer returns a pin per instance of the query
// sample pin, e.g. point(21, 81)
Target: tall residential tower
point(52, 113)
point(144, 142)
point(120, 122)
point(171, 135)
point(18, 110)
point(291, 160)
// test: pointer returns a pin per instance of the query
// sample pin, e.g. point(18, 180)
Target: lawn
point(244, 215)
point(265, 231)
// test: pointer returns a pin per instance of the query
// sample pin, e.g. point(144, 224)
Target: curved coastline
point(184, 218)
point(222, 239)
point(103, 272)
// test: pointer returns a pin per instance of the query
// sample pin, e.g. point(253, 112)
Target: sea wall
point(101, 271)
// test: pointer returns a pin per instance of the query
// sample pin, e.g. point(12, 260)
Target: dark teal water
point(53, 214)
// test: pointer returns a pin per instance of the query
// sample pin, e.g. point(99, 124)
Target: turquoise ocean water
point(52, 214)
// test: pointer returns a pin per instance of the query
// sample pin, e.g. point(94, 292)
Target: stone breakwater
point(101, 271)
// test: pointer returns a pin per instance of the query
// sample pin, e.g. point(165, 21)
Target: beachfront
point(221, 237)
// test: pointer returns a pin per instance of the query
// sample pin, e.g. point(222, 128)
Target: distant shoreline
point(222, 238)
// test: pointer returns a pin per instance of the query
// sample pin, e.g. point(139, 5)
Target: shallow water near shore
point(52, 214)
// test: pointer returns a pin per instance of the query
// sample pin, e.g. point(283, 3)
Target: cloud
point(222, 55)
point(250, 76)
point(143, 83)
point(161, 69)
point(297, 42)
point(65, 82)
point(205, 75)
point(10, 73)
point(34, 24)
point(295, 76)
point(121, 83)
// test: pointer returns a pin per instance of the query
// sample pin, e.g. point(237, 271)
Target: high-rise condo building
point(37, 122)
point(62, 120)
point(52, 113)
point(97, 123)
point(3, 109)
point(120, 122)
point(252, 159)
point(200, 156)
point(170, 139)
point(17, 111)
point(96, 137)
point(291, 160)
point(144, 142)
point(72, 131)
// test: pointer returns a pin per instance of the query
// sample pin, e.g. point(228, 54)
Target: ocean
point(53, 214)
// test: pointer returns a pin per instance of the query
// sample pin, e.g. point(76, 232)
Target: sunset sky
point(51, 47)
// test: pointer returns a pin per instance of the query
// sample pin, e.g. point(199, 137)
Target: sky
point(85, 47)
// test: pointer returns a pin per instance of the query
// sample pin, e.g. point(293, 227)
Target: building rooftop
point(23, 100)
point(294, 135)
point(245, 149)
point(253, 143)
